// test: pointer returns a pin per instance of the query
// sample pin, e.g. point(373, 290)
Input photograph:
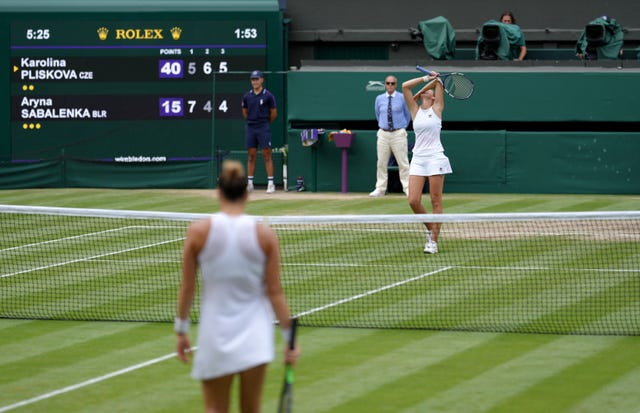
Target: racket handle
point(423, 70)
point(294, 328)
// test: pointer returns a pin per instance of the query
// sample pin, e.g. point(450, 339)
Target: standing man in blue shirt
point(259, 110)
point(393, 118)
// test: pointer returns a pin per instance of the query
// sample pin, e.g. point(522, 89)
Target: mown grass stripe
point(511, 205)
point(52, 347)
point(589, 367)
point(75, 364)
point(613, 396)
point(589, 205)
point(403, 391)
point(164, 387)
point(8, 325)
point(349, 381)
point(85, 383)
point(505, 378)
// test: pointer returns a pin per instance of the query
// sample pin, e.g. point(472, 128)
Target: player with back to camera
point(428, 160)
point(239, 261)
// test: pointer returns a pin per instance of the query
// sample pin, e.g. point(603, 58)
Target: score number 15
point(175, 106)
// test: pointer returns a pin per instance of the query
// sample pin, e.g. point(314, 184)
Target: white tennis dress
point(236, 329)
point(428, 153)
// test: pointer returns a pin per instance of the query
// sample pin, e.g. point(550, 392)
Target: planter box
point(343, 140)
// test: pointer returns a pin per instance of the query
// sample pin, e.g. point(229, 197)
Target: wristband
point(425, 79)
point(181, 326)
point(286, 334)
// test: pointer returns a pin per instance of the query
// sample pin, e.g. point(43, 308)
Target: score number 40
point(176, 107)
point(175, 68)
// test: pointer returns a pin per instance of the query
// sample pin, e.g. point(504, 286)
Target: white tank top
point(427, 126)
point(232, 254)
point(236, 319)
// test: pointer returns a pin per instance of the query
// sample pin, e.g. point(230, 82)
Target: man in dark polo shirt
point(259, 110)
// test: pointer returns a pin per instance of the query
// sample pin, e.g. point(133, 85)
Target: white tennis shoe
point(431, 247)
point(271, 188)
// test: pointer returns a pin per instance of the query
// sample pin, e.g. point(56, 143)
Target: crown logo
point(102, 33)
point(176, 32)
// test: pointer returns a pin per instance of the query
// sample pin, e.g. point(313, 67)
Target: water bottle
point(300, 184)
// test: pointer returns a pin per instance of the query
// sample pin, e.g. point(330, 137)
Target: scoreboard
point(123, 85)
point(159, 88)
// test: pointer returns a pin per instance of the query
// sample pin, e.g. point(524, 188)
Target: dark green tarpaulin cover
point(439, 38)
point(511, 39)
point(613, 39)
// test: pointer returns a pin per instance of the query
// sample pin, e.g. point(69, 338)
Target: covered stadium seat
point(499, 41)
point(602, 38)
point(439, 38)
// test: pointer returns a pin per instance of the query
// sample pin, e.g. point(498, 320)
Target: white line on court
point(89, 258)
point(475, 267)
point(88, 382)
point(565, 269)
point(90, 234)
point(371, 292)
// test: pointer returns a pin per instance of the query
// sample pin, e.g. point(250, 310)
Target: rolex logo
point(176, 32)
point(103, 32)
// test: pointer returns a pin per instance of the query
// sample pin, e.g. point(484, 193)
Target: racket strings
point(458, 86)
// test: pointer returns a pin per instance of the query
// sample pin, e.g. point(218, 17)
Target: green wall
point(534, 159)
point(607, 95)
point(489, 161)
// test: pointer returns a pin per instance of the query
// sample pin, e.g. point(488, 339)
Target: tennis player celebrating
point(428, 160)
point(239, 261)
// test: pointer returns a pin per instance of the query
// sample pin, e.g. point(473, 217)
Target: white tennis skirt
point(436, 164)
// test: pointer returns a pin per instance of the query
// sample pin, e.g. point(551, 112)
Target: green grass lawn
point(308, 203)
point(71, 366)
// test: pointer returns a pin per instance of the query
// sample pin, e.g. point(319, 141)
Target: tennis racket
point(457, 85)
point(286, 397)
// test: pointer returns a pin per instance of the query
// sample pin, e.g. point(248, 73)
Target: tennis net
point(565, 273)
